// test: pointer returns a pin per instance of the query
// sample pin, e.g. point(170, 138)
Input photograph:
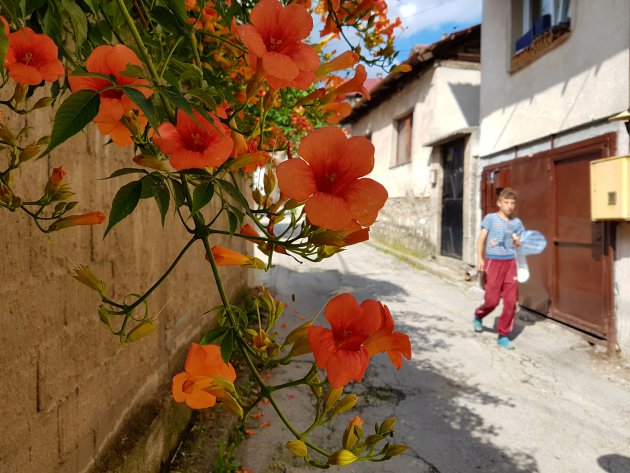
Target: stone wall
point(68, 387)
point(404, 223)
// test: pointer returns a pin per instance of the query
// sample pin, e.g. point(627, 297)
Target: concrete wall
point(580, 81)
point(444, 99)
point(403, 224)
point(66, 384)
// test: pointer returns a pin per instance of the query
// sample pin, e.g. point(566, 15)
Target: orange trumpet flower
point(275, 37)
point(193, 146)
point(340, 350)
point(32, 58)
point(197, 385)
point(385, 340)
point(111, 61)
point(92, 218)
point(328, 176)
point(226, 257)
point(354, 85)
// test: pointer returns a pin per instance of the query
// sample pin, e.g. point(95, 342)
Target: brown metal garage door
point(572, 280)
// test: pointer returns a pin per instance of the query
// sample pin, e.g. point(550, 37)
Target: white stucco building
point(423, 125)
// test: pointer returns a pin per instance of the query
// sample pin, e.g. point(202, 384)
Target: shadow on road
point(433, 419)
point(614, 463)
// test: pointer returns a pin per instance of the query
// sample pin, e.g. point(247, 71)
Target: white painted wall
point(582, 80)
point(443, 99)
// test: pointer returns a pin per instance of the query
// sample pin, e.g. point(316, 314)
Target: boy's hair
point(507, 193)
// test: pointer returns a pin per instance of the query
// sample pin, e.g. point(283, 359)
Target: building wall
point(581, 81)
point(67, 386)
point(444, 99)
point(563, 97)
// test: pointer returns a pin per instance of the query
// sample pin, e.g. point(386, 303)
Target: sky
point(424, 21)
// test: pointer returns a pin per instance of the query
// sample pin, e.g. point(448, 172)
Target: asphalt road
point(556, 404)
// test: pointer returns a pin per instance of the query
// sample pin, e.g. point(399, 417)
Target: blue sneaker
point(505, 343)
point(477, 324)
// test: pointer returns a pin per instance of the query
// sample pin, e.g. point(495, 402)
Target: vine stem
point(157, 283)
point(265, 389)
point(145, 54)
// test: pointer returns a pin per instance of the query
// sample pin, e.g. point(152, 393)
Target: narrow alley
point(556, 404)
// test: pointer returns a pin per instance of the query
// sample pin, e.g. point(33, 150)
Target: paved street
point(553, 405)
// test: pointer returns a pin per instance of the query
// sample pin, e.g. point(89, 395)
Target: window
point(404, 127)
point(537, 26)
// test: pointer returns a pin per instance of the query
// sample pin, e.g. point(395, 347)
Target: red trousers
point(500, 280)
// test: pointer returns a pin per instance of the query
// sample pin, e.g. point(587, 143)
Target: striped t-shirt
point(499, 243)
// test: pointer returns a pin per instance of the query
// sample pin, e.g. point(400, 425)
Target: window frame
point(408, 154)
point(535, 35)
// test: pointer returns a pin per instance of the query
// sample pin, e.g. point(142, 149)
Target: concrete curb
point(443, 272)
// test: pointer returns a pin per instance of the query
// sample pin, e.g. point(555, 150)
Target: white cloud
point(418, 15)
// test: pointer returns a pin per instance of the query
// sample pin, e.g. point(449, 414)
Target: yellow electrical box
point(610, 197)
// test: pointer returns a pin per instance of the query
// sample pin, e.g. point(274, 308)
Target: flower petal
point(110, 110)
point(357, 159)
point(264, 17)
point(303, 55)
point(97, 60)
point(186, 159)
point(346, 366)
point(328, 211)
point(322, 343)
point(200, 399)
point(169, 139)
point(178, 384)
point(25, 74)
point(341, 312)
point(84, 82)
point(118, 57)
point(295, 179)
point(364, 197)
point(321, 148)
point(280, 66)
point(296, 22)
point(252, 39)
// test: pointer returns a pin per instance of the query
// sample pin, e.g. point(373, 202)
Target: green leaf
point(162, 197)
point(179, 195)
point(145, 105)
point(52, 22)
point(178, 100)
point(167, 20)
point(90, 5)
point(73, 115)
point(124, 203)
point(4, 45)
point(133, 70)
point(213, 334)
point(235, 219)
point(233, 192)
point(124, 172)
point(179, 10)
point(202, 195)
point(147, 188)
point(205, 95)
point(227, 346)
point(79, 22)
point(15, 8)
point(32, 5)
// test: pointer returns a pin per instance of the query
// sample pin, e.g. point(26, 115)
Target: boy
point(499, 237)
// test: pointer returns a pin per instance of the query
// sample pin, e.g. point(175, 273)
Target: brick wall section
point(66, 384)
point(405, 223)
